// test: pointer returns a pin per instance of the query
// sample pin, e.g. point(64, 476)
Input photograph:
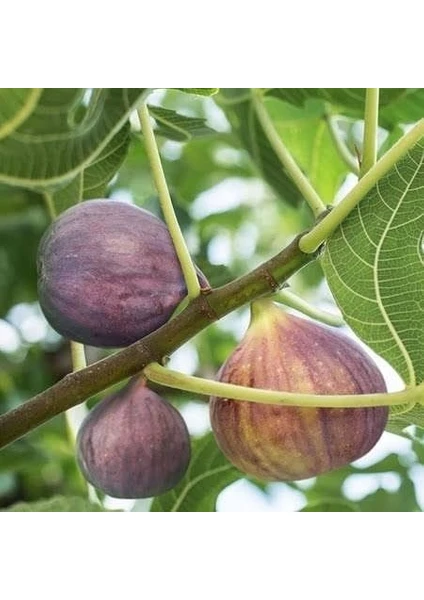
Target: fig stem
point(188, 383)
point(49, 202)
point(325, 227)
point(369, 152)
point(201, 312)
point(289, 298)
point(76, 414)
point(187, 266)
point(348, 158)
point(287, 161)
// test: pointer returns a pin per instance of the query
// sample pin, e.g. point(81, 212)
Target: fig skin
point(133, 444)
point(108, 274)
point(286, 443)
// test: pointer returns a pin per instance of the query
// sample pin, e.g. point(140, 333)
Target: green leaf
point(399, 421)
point(199, 91)
point(208, 474)
point(374, 266)
point(408, 108)
point(180, 128)
point(16, 104)
point(352, 98)
point(58, 504)
point(64, 135)
point(330, 505)
point(238, 107)
point(306, 134)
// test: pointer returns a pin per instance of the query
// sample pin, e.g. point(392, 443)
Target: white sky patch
point(227, 156)
point(220, 251)
point(357, 487)
point(242, 496)
point(171, 150)
point(184, 359)
point(28, 319)
point(246, 239)
point(416, 473)
point(235, 323)
point(215, 116)
point(9, 338)
point(227, 194)
point(389, 443)
point(122, 195)
point(196, 416)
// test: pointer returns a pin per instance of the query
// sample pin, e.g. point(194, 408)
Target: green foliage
point(63, 135)
point(208, 474)
point(374, 266)
point(69, 145)
point(238, 107)
point(344, 98)
point(58, 504)
point(199, 91)
point(177, 127)
point(330, 505)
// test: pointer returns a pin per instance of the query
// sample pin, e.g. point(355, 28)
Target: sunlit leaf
point(374, 265)
point(64, 135)
point(180, 128)
point(16, 104)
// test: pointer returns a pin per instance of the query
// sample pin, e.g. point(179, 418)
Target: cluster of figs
point(108, 275)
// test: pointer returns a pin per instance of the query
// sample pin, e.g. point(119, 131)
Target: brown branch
point(210, 306)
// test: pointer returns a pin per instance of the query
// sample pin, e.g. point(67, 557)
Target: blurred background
point(233, 218)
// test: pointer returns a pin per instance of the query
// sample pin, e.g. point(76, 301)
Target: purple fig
point(108, 274)
point(133, 444)
point(286, 443)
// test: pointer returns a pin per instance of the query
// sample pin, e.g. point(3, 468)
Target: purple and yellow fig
point(286, 443)
point(133, 444)
point(108, 274)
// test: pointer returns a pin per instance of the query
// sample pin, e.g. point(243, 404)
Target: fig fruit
point(108, 274)
point(133, 444)
point(286, 443)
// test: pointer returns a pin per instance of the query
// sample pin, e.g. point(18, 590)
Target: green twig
point(289, 298)
point(369, 153)
point(49, 202)
point(314, 238)
point(349, 160)
point(163, 376)
point(189, 272)
point(290, 166)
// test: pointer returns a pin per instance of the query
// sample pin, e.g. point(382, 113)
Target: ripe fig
point(108, 273)
point(133, 444)
point(286, 443)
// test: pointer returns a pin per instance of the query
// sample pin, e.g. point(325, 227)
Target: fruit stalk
point(156, 373)
point(190, 276)
point(369, 154)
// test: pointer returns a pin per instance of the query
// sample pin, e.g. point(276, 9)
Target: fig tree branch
point(210, 306)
